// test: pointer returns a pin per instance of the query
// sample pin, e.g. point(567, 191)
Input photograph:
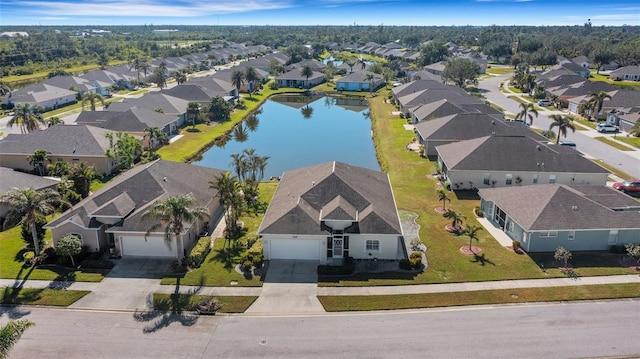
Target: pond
point(296, 131)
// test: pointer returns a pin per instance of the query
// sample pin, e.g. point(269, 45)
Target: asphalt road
point(585, 144)
point(558, 330)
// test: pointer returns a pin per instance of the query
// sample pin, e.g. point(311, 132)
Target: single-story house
point(331, 211)
point(357, 81)
point(316, 66)
point(43, 95)
point(578, 218)
point(203, 91)
point(110, 219)
point(627, 73)
point(17, 179)
point(444, 107)
point(436, 68)
point(153, 101)
point(499, 161)
point(294, 78)
point(627, 120)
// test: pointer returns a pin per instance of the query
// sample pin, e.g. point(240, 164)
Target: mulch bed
point(470, 252)
point(520, 250)
point(440, 210)
point(452, 229)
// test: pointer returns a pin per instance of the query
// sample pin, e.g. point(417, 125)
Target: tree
point(307, 111)
point(155, 136)
point(275, 67)
point(123, 149)
point(136, 64)
point(460, 71)
point(81, 175)
point(10, 333)
point(4, 88)
point(27, 205)
point(433, 52)
point(369, 78)
point(237, 80)
point(633, 251)
point(251, 76)
point(562, 123)
point(232, 204)
point(172, 214)
point(91, 97)
point(103, 61)
point(601, 56)
point(562, 255)
point(598, 100)
point(69, 245)
point(181, 77)
point(635, 130)
point(38, 159)
point(471, 231)
point(219, 110)
point(27, 117)
point(160, 76)
point(456, 218)
point(527, 111)
point(443, 197)
point(193, 111)
point(52, 121)
point(306, 72)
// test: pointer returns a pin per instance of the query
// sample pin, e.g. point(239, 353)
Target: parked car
point(544, 103)
point(606, 127)
point(568, 144)
point(628, 186)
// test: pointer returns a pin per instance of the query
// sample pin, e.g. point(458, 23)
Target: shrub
point(415, 262)
point(415, 255)
point(274, 86)
point(199, 252)
point(28, 257)
point(479, 212)
point(447, 186)
point(246, 265)
point(516, 246)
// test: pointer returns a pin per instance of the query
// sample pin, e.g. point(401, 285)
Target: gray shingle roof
point(59, 140)
point(132, 120)
point(466, 126)
point(444, 107)
point(332, 190)
point(17, 179)
point(151, 101)
point(559, 207)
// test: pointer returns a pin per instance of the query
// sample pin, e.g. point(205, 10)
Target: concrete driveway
point(290, 287)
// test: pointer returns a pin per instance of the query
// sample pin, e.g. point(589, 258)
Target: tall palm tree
point(27, 117)
point(27, 205)
point(229, 190)
point(193, 110)
point(10, 333)
point(155, 135)
point(181, 77)
point(251, 76)
point(38, 159)
point(562, 123)
point(172, 214)
point(443, 197)
point(239, 165)
point(456, 218)
point(144, 67)
point(306, 72)
point(598, 100)
point(81, 175)
point(92, 97)
point(528, 110)
point(237, 80)
point(160, 76)
point(52, 121)
point(471, 231)
point(586, 109)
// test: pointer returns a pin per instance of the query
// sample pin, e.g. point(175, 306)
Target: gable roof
point(465, 126)
point(38, 93)
point(560, 207)
point(514, 153)
point(68, 140)
point(130, 194)
point(16, 179)
point(297, 76)
point(151, 101)
point(132, 120)
point(332, 190)
point(444, 107)
point(417, 85)
point(359, 77)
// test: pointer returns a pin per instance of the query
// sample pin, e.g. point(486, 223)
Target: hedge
point(199, 252)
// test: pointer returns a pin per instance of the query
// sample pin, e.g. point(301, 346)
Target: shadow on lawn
point(363, 277)
point(581, 260)
point(480, 258)
point(229, 254)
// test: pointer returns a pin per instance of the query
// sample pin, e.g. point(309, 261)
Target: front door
point(337, 247)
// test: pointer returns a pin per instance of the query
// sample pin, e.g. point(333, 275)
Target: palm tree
point(251, 76)
point(307, 112)
point(181, 77)
point(92, 97)
point(350, 63)
point(443, 197)
point(239, 165)
point(160, 76)
point(456, 218)
point(586, 109)
point(172, 214)
point(4, 88)
point(10, 333)
point(37, 160)
point(144, 67)
point(136, 64)
point(369, 78)
point(193, 110)
point(306, 72)
point(27, 117)
point(635, 130)
point(598, 100)
point(52, 121)
point(562, 123)
point(229, 194)
point(237, 80)
point(471, 231)
point(81, 175)
point(27, 205)
point(155, 135)
point(527, 111)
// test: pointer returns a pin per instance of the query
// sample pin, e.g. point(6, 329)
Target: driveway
point(290, 287)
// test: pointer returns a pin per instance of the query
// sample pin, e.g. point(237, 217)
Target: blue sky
point(319, 12)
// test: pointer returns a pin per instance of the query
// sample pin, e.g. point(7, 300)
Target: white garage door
point(152, 247)
point(295, 249)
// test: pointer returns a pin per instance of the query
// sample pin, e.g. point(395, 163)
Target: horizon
point(319, 13)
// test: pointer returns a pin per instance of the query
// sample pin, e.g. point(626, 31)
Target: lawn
point(186, 302)
point(627, 85)
point(612, 169)
point(613, 143)
point(17, 79)
point(218, 270)
point(481, 297)
point(499, 70)
point(11, 263)
point(585, 123)
point(630, 140)
point(46, 296)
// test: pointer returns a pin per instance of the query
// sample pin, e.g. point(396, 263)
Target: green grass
point(517, 99)
point(514, 90)
point(612, 169)
point(613, 143)
point(481, 297)
point(12, 266)
point(218, 268)
point(499, 70)
point(627, 85)
point(17, 79)
point(633, 141)
point(583, 122)
point(46, 296)
point(186, 302)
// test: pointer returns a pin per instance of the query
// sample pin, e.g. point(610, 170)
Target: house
point(443, 108)
point(626, 73)
point(502, 161)
point(111, 217)
point(294, 78)
point(17, 179)
point(203, 91)
point(153, 101)
point(575, 68)
point(415, 94)
point(78, 84)
point(627, 120)
point(316, 66)
point(578, 218)
point(225, 75)
point(41, 94)
point(436, 68)
point(331, 211)
point(66, 143)
point(621, 100)
point(116, 76)
point(582, 61)
point(358, 81)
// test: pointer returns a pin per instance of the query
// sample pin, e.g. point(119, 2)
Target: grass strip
point(613, 143)
point(188, 302)
point(632, 141)
point(46, 296)
point(481, 297)
point(612, 169)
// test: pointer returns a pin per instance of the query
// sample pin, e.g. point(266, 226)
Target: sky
point(320, 12)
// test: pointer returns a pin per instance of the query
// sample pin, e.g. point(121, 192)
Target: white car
point(605, 127)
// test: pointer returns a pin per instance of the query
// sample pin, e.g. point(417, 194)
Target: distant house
point(78, 84)
point(575, 68)
point(294, 78)
point(316, 66)
point(153, 101)
point(626, 73)
point(66, 143)
point(411, 96)
point(443, 108)
point(332, 211)
point(502, 161)
point(578, 218)
point(110, 219)
point(436, 68)
point(357, 81)
point(17, 179)
point(203, 91)
point(582, 61)
point(119, 76)
point(43, 95)
point(627, 120)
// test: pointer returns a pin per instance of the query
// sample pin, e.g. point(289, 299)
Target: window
point(487, 179)
point(548, 234)
point(535, 179)
point(572, 235)
point(75, 160)
point(552, 178)
point(509, 179)
point(372, 245)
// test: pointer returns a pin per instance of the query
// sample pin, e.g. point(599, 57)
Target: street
point(555, 330)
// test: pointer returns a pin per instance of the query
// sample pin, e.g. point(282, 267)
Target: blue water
point(337, 130)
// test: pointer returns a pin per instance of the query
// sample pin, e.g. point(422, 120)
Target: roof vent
point(313, 183)
point(575, 208)
point(538, 148)
point(165, 179)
